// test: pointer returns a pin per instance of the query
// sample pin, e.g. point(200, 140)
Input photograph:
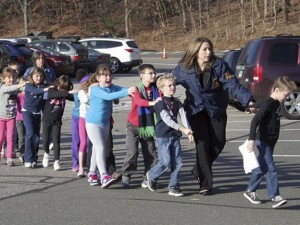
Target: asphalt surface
point(44, 196)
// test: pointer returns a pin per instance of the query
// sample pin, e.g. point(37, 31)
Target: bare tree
point(23, 5)
point(184, 27)
point(243, 18)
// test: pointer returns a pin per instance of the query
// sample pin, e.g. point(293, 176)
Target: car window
point(85, 43)
point(132, 44)
point(113, 44)
point(248, 57)
point(63, 47)
point(78, 46)
point(46, 44)
point(286, 53)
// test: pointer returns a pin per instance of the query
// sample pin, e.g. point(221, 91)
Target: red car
point(62, 64)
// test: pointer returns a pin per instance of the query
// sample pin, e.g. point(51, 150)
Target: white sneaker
point(27, 164)
point(46, 160)
point(56, 165)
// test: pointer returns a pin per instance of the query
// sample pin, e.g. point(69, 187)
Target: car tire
point(115, 65)
point(126, 69)
point(290, 107)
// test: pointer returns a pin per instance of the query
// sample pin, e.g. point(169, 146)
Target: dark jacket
point(34, 97)
point(214, 97)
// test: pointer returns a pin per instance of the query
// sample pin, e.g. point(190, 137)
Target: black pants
point(52, 129)
point(21, 137)
point(109, 155)
point(210, 140)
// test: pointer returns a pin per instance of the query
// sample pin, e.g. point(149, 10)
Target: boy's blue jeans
point(267, 169)
point(169, 155)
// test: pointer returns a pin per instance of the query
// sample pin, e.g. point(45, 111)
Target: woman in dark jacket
point(208, 82)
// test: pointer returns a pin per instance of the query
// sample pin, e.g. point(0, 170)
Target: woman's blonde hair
point(284, 83)
point(190, 57)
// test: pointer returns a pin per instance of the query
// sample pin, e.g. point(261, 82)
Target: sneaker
point(151, 184)
point(21, 158)
point(144, 183)
point(125, 181)
point(107, 181)
point(46, 160)
point(252, 197)
point(177, 192)
point(56, 165)
point(80, 173)
point(93, 179)
point(278, 201)
point(75, 169)
point(2, 154)
point(10, 162)
point(27, 164)
point(34, 164)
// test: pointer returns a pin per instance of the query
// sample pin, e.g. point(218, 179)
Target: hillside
point(156, 24)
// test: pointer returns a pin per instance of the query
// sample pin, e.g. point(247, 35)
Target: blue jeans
point(267, 169)
point(169, 155)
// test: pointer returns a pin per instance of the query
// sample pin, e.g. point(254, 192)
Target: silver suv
point(125, 53)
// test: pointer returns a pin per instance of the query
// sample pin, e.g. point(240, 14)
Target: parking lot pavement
point(45, 196)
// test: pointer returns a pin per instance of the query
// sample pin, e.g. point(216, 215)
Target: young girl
point(52, 117)
point(33, 104)
point(101, 94)
point(84, 102)
point(8, 111)
point(19, 121)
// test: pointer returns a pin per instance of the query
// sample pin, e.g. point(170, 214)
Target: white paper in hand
point(249, 158)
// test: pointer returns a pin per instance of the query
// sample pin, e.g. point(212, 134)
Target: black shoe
point(252, 197)
point(278, 201)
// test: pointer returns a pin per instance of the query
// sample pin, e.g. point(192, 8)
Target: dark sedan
point(96, 58)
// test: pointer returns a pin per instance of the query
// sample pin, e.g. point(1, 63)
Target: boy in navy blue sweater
point(168, 133)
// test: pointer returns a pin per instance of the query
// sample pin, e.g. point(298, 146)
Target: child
point(19, 121)
point(52, 117)
point(8, 111)
point(264, 130)
point(75, 124)
point(101, 94)
point(84, 102)
point(168, 133)
point(33, 104)
point(140, 125)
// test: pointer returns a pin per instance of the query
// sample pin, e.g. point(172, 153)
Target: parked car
point(96, 58)
point(77, 52)
point(125, 53)
point(231, 57)
point(4, 56)
point(20, 54)
point(62, 64)
point(263, 60)
point(28, 39)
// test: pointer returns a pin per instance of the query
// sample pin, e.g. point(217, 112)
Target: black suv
point(263, 60)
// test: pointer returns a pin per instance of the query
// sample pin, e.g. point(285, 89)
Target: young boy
point(140, 125)
point(168, 133)
point(264, 129)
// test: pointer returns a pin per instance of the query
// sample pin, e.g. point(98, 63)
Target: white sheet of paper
point(249, 158)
